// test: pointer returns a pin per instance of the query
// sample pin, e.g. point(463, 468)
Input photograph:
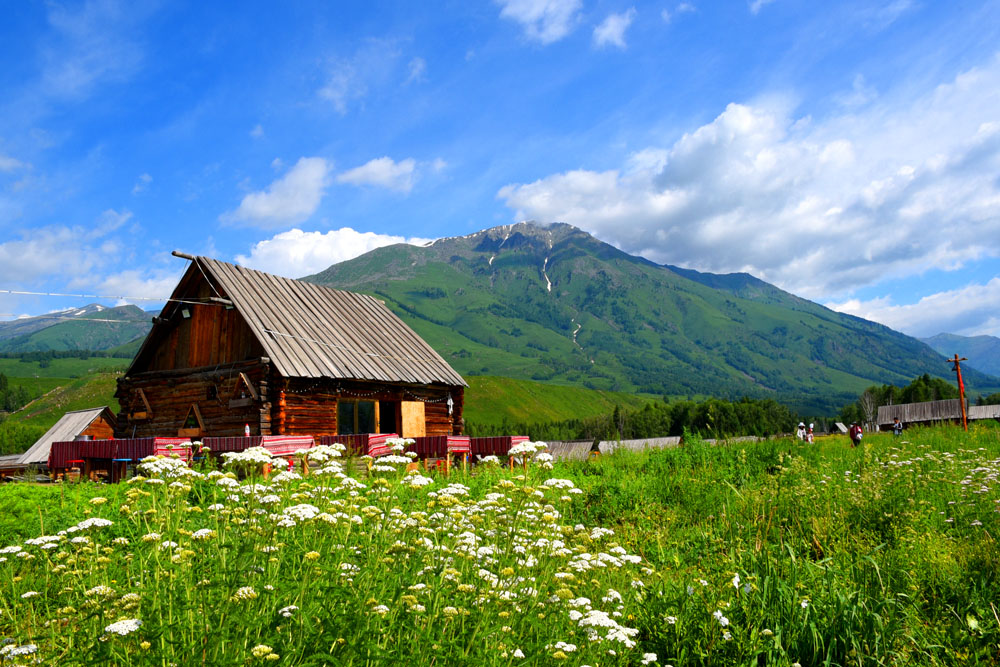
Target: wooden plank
point(413, 424)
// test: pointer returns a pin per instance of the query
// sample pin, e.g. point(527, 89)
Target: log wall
point(215, 390)
point(296, 406)
point(211, 335)
point(310, 406)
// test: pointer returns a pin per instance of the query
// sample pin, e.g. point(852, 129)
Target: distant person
point(856, 432)
point(810, 438)
point(897, 426)
point(800, 433)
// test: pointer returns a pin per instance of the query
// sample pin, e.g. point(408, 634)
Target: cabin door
point(413, 423)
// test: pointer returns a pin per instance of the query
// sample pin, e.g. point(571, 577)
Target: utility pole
point(961, 388)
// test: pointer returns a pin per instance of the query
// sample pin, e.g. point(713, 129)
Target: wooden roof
point(311, 331)
point(984, 412)
point(69, 426)
point(928, 411)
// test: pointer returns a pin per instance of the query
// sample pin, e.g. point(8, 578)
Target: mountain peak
point(553, 303)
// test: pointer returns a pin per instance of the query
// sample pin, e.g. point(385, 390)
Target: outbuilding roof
point(68, 427)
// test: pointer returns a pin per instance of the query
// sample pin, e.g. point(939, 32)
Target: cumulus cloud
point(73, 253)
point(611, 31)
point(49, 250)
point(382, 172)
point(145, 284)
point(969, 311)
point(544, 21)
point(292, 198)
point(819, 207)
point(296, 253)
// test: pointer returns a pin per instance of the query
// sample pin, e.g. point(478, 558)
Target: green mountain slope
point(82, 329)
point(491, 400)
point(983, 352)
point(555, 304)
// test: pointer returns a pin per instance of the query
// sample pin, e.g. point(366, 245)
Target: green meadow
point(770, 553)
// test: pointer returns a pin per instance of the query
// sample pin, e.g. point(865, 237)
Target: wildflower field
point(773, 553)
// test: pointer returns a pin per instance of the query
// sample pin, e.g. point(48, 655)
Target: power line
point(71, 319)
point(196, 302)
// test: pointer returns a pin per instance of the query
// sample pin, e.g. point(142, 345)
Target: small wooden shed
point(927, 412)
point(92, 424)
point(235, 347)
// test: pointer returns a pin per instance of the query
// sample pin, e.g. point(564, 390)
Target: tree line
point(922, 389)
point(713, 418)
point(12, 397)
point(49, 355)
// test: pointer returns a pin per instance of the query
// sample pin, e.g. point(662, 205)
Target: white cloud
point(49, 250)
point(757, 5)
point(296, 253)
point(861, 93)
point(71, 253)
point(290, 199)
point(142, 183)
point(545, 21)
point(418, 70)
point(342, 86)
point(682, 8)
point(257, 132)
point(969, 311)
point(819, 207)
point(9, 164)
point(145, 284)
point(91, 44)
point(382, 172)
point(373, 66)
point(611, 31)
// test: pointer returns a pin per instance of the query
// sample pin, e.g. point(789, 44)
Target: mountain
point(84, 328)
point(983, 352)
point(552, 303)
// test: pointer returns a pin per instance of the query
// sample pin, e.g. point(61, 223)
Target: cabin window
point(193, 425)
point(388, 416)
point(355, 417)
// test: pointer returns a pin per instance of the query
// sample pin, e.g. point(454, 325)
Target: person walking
point(856, 433)
point(810, 438)
point(897, 426)
point(800, 433)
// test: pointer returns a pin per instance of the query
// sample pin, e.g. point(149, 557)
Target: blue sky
point(848, 152)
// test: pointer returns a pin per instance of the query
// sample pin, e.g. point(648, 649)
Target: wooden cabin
point(235, 347)
point(90, 424)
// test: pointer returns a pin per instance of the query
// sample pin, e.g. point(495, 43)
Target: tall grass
point(771, 553)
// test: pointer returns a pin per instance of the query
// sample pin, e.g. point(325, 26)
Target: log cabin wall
point(310, 406)
point(210, 334)
point(99, 429)
point(224, 404)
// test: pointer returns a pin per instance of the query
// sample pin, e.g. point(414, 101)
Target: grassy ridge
point(489, 400)
point(87, 392)
point(60, 368)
